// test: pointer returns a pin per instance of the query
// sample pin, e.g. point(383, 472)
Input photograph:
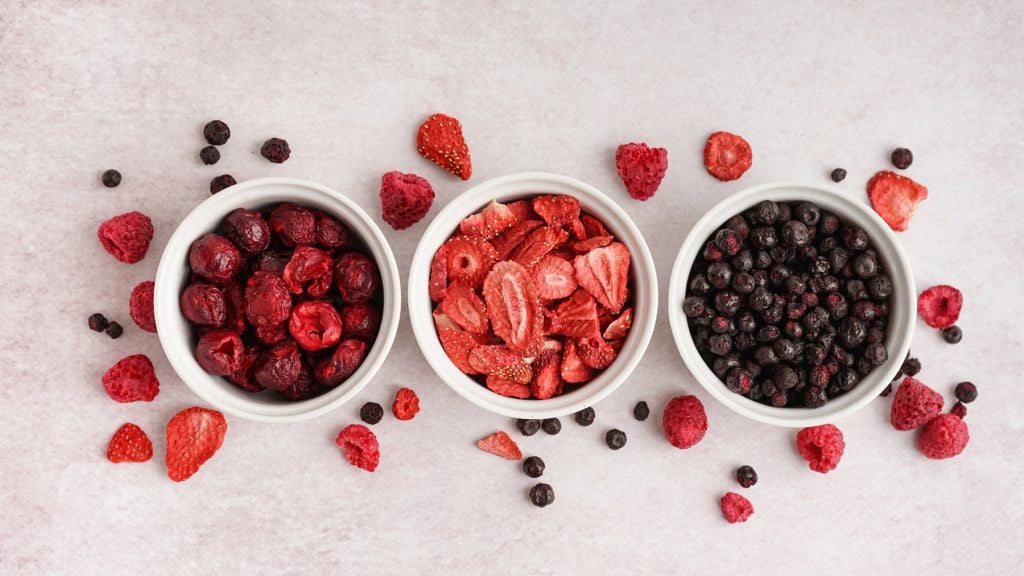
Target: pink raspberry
point(132, 379)
point(944, 437)
point(685, 421)
point(641, 168)
point(360, 446)
point(914, 404)
point(940, 305)
point(404, 199)
point(140, 306)
point(127, 237)
point(736, 508)
point(822, 447)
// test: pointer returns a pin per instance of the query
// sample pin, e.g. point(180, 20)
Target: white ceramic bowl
point(507, 189)
point(173, 273)
point(902, 309)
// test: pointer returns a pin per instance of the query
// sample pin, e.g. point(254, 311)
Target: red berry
point(294, 224)
point(641, 168)
point(267, 300)
point(360, 446)
point(404, 199)
point(215, 258)
point(440, 140)
point(501, 444)
point(895, 197)
point(939, 306)
point(315, 325)
point(736, 508)
point(914, 404)
point(360, 321)
point(203, 304)
point(727, 156)
point(822, 447)
point(234, 305)
point(222, 182)
point(243, 376)
point(684, 421)
point(248, 230)
point(302, 387)
point(132, 379)
point(356, 276)
point(945, 436)
point(341, 364)
point(127, 237)
point(140, 306)
point(129, 444)
point(309, 270)
point(278, 367)
point(220, 351)
point(193, 436)
point(328, 231)
point(515, 313)
point(406, 404)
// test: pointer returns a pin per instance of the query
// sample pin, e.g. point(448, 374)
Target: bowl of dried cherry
point(277, 299)
point(533, 295)
point(792, 304)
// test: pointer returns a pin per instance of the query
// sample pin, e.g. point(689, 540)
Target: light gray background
point(89, 85)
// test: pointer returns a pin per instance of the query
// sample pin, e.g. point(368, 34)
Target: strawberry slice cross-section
point(515, 311)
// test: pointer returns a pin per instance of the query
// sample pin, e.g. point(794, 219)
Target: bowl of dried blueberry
point(533, 295)
point(277, 299)
point(792, 304)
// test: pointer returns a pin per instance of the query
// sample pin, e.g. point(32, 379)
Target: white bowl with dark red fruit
point(277, 299)
point(533, 295)
point(792, 304)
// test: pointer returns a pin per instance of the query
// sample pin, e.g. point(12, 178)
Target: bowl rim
point(523, 184)
point(902, 319)
point(212, 389)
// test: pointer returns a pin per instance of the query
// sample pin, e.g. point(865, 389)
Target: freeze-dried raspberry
point(220, 352)
point(215, 258)
point(360, 321)
point(944, 437)
point(356, 276)
point(406, 404)
point(315, 325)
point(641, 168)
point(132, 379)
point(940, 306)
point(127, 237)
point(360, 446)
point(914, 404)
point(140, 306)
point(685, 421)
point(822, 447)
point(404, 199)
point(736, 508)
point(293, 223)
point(341, 364)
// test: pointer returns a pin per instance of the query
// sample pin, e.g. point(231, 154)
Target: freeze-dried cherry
point(360, 321)
point(267, 301)
point(234, 308)
point(329, 232)
point(273, 261)
point(294, 224)
point(243, 376)
point(356, 276)
point(342, 363)
point(220, 352)
point(278, 367)
point(248, 230)
point(315, 325)
point(215, 258)
point(308, 270)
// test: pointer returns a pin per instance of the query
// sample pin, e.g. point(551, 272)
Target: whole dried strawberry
point(193, 436)
point(439, 139)
point(129, 444)
point(404, 199)
point(641, 168)
point(360, 446)
point(132, 379)
point(127, 237)
point(140, 306)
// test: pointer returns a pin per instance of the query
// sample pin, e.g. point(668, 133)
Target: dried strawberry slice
point(554, 278)
point(592, 243)
point(501, 362)
point(494, 219)
point(547, 380)
point(506, 387)
point(465, 307)
point(505, 243)
point(513, 306)
point(727, 156)
point(521, 209)
point(500, 444)
point(604, 273)
point(538, 244)
point(595, 352)
point(593, 227)
point(557, 210)
point(437, 285)
point(619, 328)
point(573, 370)
point(577, 316)
point(469, 259)
point(895, 197)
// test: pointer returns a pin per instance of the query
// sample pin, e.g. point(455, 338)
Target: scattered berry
point(939, 306)
point(276, 150)
point(371, 413)
point(193, 436)
point(959, 410)
point(886, 391)
point(533, 467)
point(404, 199)
point(209, 155)
point(585, 417)
point(952, 335)
point(727, 156)
point(440, 140)
point(641, 411)
point(129, 444)
point(914, 404)
point(838, 175)
point(360, 446)
point(406, 405)
point(500, 444)
point(551, 426)
point(615, 438)
point(132, 379)
point(542, 494)
point(746, 476)
point(97, 322)
point(221, 182)
point(895, 197)
point(216, 132)
point(902, 158)
point(140, 306)
point(684, 421)
point(966, 392)
point(641, 168)
point(127, 237)
point(736, 508)
point(911, 367)
point(114, 330)
point(528, 427)
point(944, 436)
point(111, 178)
point(822, 446)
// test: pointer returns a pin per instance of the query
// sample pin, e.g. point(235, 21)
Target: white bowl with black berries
point(756, 339)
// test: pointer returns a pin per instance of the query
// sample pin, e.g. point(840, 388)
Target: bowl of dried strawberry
point(533, 295)
point(277, 299)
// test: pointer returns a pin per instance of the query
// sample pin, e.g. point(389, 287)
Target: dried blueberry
point(641, 411)
point(97, 322)
point(615, 439)
point(528, 427)
point(551, 426)
point(838, 175)
point(542, 494)
point(221, 182)
point(953, 334)
point(966, 392)
point(216, 132)
point(209, 155)
point(371, 413)
point(585, 417)
point(746, 476)
point(276, 150)
point(911, 366)
point(902, 158)
point(533, 467)
point(111, 178)
point(114, 330)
